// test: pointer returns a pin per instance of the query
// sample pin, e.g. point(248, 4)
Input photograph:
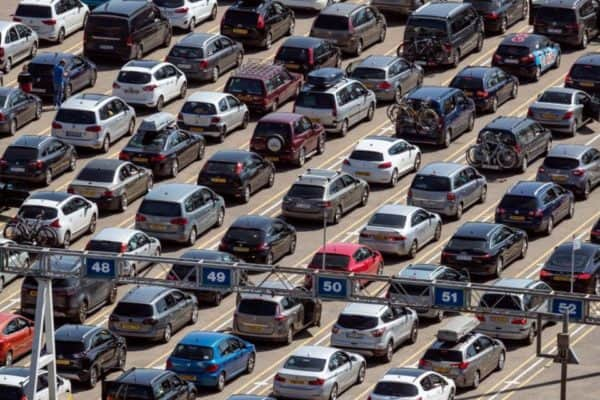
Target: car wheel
point(337, 216)
point(194, 314)
point(321, 145)
point(359, 48)
point(220, 217)
point(192, 25)
point(531, 335)
point(501, 361)
point(250, 363)
point(524, 165)
point(192, 236)
point(414, 334)
point(174, 168)
point(82, 312)
point(131, 127)
point(123, 203)
point(370, 112)
point(8, 65)
point(269, 259)
point(471, 122)
point(587, 190)
point(12, 128)
point(548, 147)
point(160, 103)
point(121, 358)
point(93, 79)
point(499, 267)
point(537, 74)
point(222, 134)
point(93, 377)
point(476, 380)
point(412, 252)
point(246, 194)
point(389, 352)
point(364, 198)
point(479, 44)
point(451, 395)
point(394, 178)
point(149, 184)
point(438, 232)
point(514, 91)
point(61, 36)
point(362, 371)
point(494, 105)
point(68, 92)
point(292, 248)
point(301, 158)
point(183, 90)
point(459, 211)
point(549, 226)
point(503, 25)
point(213, 13)
point(455, 59)
point(417, 163)
point(344, 128)
point(573, 129)
point(447, 138)
point(334, 392)
point(597, 286)
point(92, 225)
point(584, 40)
point(38, 111)
point(382, 34)
point(139, 52)
point(72, 163)
point(106, 144)
point(201, 151)
point(214, 76)
point(167, 334)
point(112, 296)
point(271, 180)
point(483, 194)
point(246, 121)
point(524, 248)
point(34, 50)
point(48, 177)
point(439, 316)
point(221, 382)
point(398, 94)
point(167, 41)
point(268, 41)
point(8, 361)
point(571, 210)
point(217, 298)
point(291, 28)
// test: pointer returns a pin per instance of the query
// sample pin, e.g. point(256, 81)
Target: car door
point(354, 188)
point(236, 347)
point(57, 157)
point(504, 85)
point(173, 313)
point(228, 52)
point(81, 215)
point(26, 40)
point(400, 156)
point(588, 17)
point(343, 370)
point(594, 165)
point(360, 103)
point(395, 321)
point(228, 360)
point(540, 139)
point(460, 33)
point(452, 115)
point(105, 344)
point(13, 47)
point(437, 386)
point(122, 118)
point(279, 239)
point(562, 196)
point(464, 111)
point(173, 78)
point(20, 107)
point(126, 181)
point(199, 211)
point(23, 335)
point(462, 188)
point(551, 203)
point(235, 117)
point(275, 17)
point(77, 70)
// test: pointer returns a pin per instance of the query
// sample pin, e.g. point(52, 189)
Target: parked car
point(263, 87)
point(499, 15)
point(260, 239)
point(161, 146)
point(574, 167)
point(73, 298)
point(213, 114)
point(274, 317)
point(447, 188)
point(16, 336)
point(179, 212)
point(583, 261)
point(186, 14)
point(400, 229)
point(321, 194)
point(583, 74)
point(85, 353)
point(535, 206)
point(16, 259)
point(258, 23)
point(595, 233)
point(81, 73)
point(211, 358)
point(397, 7)
point(125, 30)
point(374, 329)
point(382, 159)
point(389, 77)
point(336, 369)
point(205, 56)
point(570, 22)
point(334, 101)
point(93, 3)
point(313, 5)
point(17, 109)
point(52, 20)
point(150, 384)
point(251, 396)
point(238, 173)
point(18, 41)
point(304, 54)
point(488, 87)
point(527, 55)
point(455, 113)
point(16, 379)
point(153, 312)
point(287, 137)
point(413, 382)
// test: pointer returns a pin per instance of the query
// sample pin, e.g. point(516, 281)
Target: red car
point(16, 337)
point(347, 258)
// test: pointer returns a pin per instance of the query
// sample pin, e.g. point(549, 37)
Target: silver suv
point(321, 193)
point(374, 329)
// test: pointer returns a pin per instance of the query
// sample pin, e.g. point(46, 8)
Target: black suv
point(303, 54)
point(585, 74)
point(258, 22)
point(85, 352)
point(498, 15)
point(572, 22)
point(148, 384)
point(125, 29)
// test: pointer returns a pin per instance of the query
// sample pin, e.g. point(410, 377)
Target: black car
point(258, 22)
point(237, 173)
point(488, 87)
point(255, 238)
point(81, 73)
point(17, 109)
point(484, 248)
point(85, 353)
point(498, 15)
point(595, 233)
point(74, 298)
point(584, 262)
point(572, 22)
point(147, 384)
point(125, 29)
point(37, 159)
point(161, 146)
point(585, 74)
point(303, 54)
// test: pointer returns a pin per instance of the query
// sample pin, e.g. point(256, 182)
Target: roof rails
point(256, 66)
point(320, 174)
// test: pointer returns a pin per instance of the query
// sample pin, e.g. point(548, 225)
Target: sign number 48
point(101, 267)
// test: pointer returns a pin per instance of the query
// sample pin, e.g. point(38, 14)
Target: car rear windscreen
point(315, 100)
point(561, 163)
point(16, 153)
point(133, 310)
point(306, 192)
point(585, 71)
point(105, 26)
point(125, 391)
point(11, 392)
point(160, 208)
point(192, 352)
point(297, 54)
point(33, 212)
point(331, 22)
point(512, 51)
point(186, 52)
point(69, 347)
point(359, 322)
point(33, 11)
point(382, 219)
point(96, 175)
point(104, 245)
point(423, 27)
point(267, 128)
point(134, 77)
point(368, 73)
point(395, 389)
point(467, 82)
point(564, 259)
point(245, 86)
point(169, 3)
point(332, 261)
point(236, 17)
point(521, 202)
point(199, 108)
point(149, 140)
point(253, 237)
point(80, 117)
point(443, 355)
point(556, 97)
point(464, 243)
point(431, 183)
point(216, 167)
point(485, 5)
point(366, 155)
point(560, 15)
point(499, 300)
point(305, 364)
point(38, 69)
point(257, 307)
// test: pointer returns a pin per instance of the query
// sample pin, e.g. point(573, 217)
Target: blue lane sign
point(215, 277)
point(332, 287)
point(98, 268)
point(449, 297)
point(575, 308)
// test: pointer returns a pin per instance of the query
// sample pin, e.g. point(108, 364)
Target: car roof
point(586, 248)
point(196, 39)
point(431, 92)
point(377, 61)
point(440, 9)
point(5, 90)
point(85, 100)
point(342, 248)
point(230, 156)
point(559, 3)
point(441, 168)
point(269, 284)
point(476, 230)
point(256, 70)
point(206, 97)
point(14, 376)
point(249, 397)
point(51, 58)
point(142, 65)
point(6, 317)
point(317, 177)
point(203, 338)
point(75, 333)
point(144, 294)
point(376, 143)
point(115, 234)
point(253, 222)
point(569, 150)
point(119, 7)
point(475, 71)
point(506, 123)
point(364, 309)
point(560, 89)
point(6, 24)
point(344, 9)
point(517, 283)
point(527, 188)
point(302, 42)
point(525, 39)
point(250, 5)
point(30, 141)
point(404, 374)
point(38, 2)
point(420, 271)
point(321, 352)
point(397, 209)
point(141, 376)
point(55, 197)
point(173, 192)
point(104, 163)
point(204, 254)
point(592, 58)
point(281, 117)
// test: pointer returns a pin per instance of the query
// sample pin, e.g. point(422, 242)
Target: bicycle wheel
point(10, 232)
point(46, 236)
point(407, 50)
point(427, 120)
point(473, 155)
point(507, 158)
point(392, 112)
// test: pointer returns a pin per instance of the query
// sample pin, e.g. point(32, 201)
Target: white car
point(316, 5)
point(93, 120)
point(150, 83)
point(186, 14)
point(69, 215)
point(18, 41)
point(413, 383)
point(14, 381)
point(53, 20)
point(16, 259)
point(382, 159)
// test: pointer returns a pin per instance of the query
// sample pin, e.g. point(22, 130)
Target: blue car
point(209, 359)
point(82, 73)
point(488, 87)
point(527, 55)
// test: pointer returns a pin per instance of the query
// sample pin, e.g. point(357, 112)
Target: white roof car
point(53, 20)
point(413, 383)
point(316, 5)
point(18, 41)
point(13, 381)
point(186, 14)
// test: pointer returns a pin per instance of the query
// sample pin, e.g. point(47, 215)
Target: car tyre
point(370, 112)
point(549, 226)
point(501, 361)
point(514, 91)
point(471, 123)
point(48, 177)
point(268, 42)
point(364, 198)
point(388, 356)
point(12, 128)
point(183, 90)
point(337, 216)
point(359, 48)
point(246, 121)
point(123, 203)
point(447, 138)
point(192, 25)
point(250, 363)
point(220, 382)
point(92, 225)
point(362, 372)
point(292, 248)
point(531, 335)
point(571, 212)
point(321, 145)
point(166, 338)
point(61, 36)
point(82, 312)
point(499, 267)
point(333, 395)
point(524, 248)
point(121, 358)
point(412, 252)
point(394, 178)
point(194, 314)
point(476, 380)
point(246, 194)
point(174, 168)
point(494, 105)
point(217, 298)
point(382, 34)
point(8, 361)
point(220, 217)
point(160, 103)
point(439, 316)
point(438, 232)
point(93, 79)
point(301, 157)
point(215, 73)
point(344, 128)
point(503, 25)
point(271, 179)
point(38, 111)
point(289, 338)
point(556, 64)
point(414, 334)
point(451, 395)
point(112, 296)
point(459, 211)
point(269, 259)
point(584, 40)
point(291, 28)
point(167, 42)
point(34, 50)
point(417, 163)
point(537, 74)
point(192, 236)
point(106, 144)
point(524, 165)
point(483, 195)
point(213, 13)
point(587, 190)
point(94, 373)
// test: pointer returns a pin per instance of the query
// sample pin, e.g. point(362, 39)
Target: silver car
point(374, 329)
point(128, 242)
point(318, 372)
point(573, 166)
point(401, 7)
point(16, 259)
point(400, 229)
point(447, 188)
point(18, 41)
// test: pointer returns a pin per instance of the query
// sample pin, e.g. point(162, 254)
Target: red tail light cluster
point(311, 56)
point(116, 85)
point(492, 15)
point(55, 223)
point(528, 59)
point(578, 172)
point(1, 52)
point(568, 80)
point(150, 321)
point(212, 368)
point(384, 85)
point(56, 125)
point(203, 64)
point(317, 382)
point(149, 88)
point(378, 332)
point(545, 274)
point(181, 10)
point(385, 165)
point(568, 115)
point(325, 204)
point(139, 218)
point(179, 221)
point(38, 164)
point(93, 128)
point(124, 156)
point(239, 168)
point(279, 378)
point(462, 365)
point(450, 196)
point(129, 41)
point(537, 213)
point(482, 94)
point(123, 248)
point(169, 364)
point(260, 23)
point(519, 321)
point(500, 210)
point(49, 21)
point(159, 158)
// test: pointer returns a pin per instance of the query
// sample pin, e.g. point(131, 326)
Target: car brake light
point(150, 321)
point(497, 57)
point(139, 218)
point(311, 56)
point(584, 276)
point(49, 21)
point(482, 93)
point(409, 194)
point(528, 59)
point(385, 165)
point(113, 318)
point(568, 80)
point(116, 85)
point(463, 365)
point(56, 125)
point(325, 204)
point(123, 248)
point(158, 158)
point(179, 221)
point(334, 111)
point(568, 115)
point(70, 190)
point(448, 47)
point(573, 27)
point(149, 88)
point(537, 213)
point(108, 193)
point(169, 364)
point(93, 128)
point(181, 10)
point(215, 120)
point(450, 196)
point(203, 64)
point(260, 23)
point(346, 161)
point(124, 156)
point(55, 223)
point(519, 321)
point(38, 164)
point(279, 378)
point(545, 274)
point(578, 172)
point(350, 26)
point(384, 85)
point(378, 332)
point(492, 15)
point(530, 113)
point(480, 317)
point(423, 363)
point(3, 162)
point(212, 367)
point(1, 51)
point(335, 330)
point(17, 19)
point(517, 148)
point(317, 382)
point(500, 210)
point(129, 41)
point(239, 168)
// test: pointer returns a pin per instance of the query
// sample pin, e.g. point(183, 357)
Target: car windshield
point(16, 153)
point(199, 108)
point(305, 364)
point(33, 11)
point(563, 259)
point(160, 208)
point(561, 163)
point(431, 183)
point(169, 3)
point(500, 300)
point(306, 192)
point(75, 116)
point(186, 52)
point(331, 22)
point(359, 322)
point(560, 15)
point(368, 73)
point(249, 236)
point(113, 27)
point(332, 261)
point(298, 54)
point(104, 245)
point(32, 212)
point(245, 86)
point(585, 71)
point(395, 389)
point(149, 140)
point(556, 97)
point(391, 220)
point(216, 167)
point(521, 202)
point(257, 307)
point(512, 51)
point(69, 347)
point(267, 128)
point(192, 352)
point(467, 82)
point(461, 243)
point(134, 310)
point(422, 27)
point(96, 175)
point(443, 355)
point(366, 155)
point(315, 100)
point(134, 77)
point(236, 17)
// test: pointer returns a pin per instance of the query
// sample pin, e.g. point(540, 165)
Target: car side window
point(178, 297)
point(471, 351)
point(160, 74)
point(348, 180)
point(459, 22)
point(356, 18)
point(549, 196)
point(342, 358)
point(23, 31)
point(461, 178)
point(11, 327)
point(358, 90)
point(426, 384)
point(449, 105)
point(525, 134)
point(369, 14)
point(594, 154)
point(12, 35)
point(42, 382)
point(587, 8)
point(344, 96)
point(161, 305)
point(387, 316)
point(211, 49)
point(336, 186)
point(232, 101)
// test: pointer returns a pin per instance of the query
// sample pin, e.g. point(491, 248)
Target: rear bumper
point(531, 226)
point(399, 248)
point(448, 209)
point(95, 144)
point(521, 334)
point(562, 126)
point(124, 53)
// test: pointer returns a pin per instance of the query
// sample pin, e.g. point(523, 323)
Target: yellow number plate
point(441, 370)
point(272, 158)
point(197, 129)
point(33, 293)
point(158, 227)
point(240, 31)
point(292, 66)
point(363, 173)
point(133, 327)
point(496, 318)
point(139, 159)
point(587, 84)
point(218, 180)
point(565, 278)
point(62, 362)
point(517, 218)
point(241, 249)
point(188, 377)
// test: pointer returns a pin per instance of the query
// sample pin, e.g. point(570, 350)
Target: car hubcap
point(82, 312)
point(9, 359)
point(221, 382)
point(167, 333)
point(93, 224)
point(194, 315)
point(550, 223)
point(93, 377)
point(501, 361)
point(499, 267)
point(395, 177)
point(251, 363)
point(124, 203)
point(193, 235)
point(438, 232)
point(597, 288)
point(174, 168)
point(524, 248)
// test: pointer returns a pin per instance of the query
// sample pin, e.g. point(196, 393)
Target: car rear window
point(199, 108)
point(191, 352)
point(104, 245)
point(273, 128)
point(467, 82)
point(32, 212)
point(11, 392)
point(124, 391)
point(237, 17)
point(249, 236)
point(245, 86)
point(563, 259)
point(368, 73)
point(315, 100)
point(33, 11)
point(485, 5)
point(585, 71)
point(382, 219)
point(332, 261)
point(134, 77)
point(462, 243)
point(514, 201)
point(98, 25)
point(186, 52)
point(409, 290)
point(499, 300)
point(306, 191)
point(38, 69)
point(431, 183)
point(133, 310)
point(331, 22)
point(16, 153)
point(69, 347)
point(555, 14)
point(556, 97)
point(420, 27)
point(297, 54)
point(217, 167)
point(160, 208)
point(359, 322)
point(395, 389)
point(514, 51)
point(443, 355)
point(96, 175)
point(561, 163)
point(169, 3)
point(366, 155)
point(75, 116)
point(305, 364)
point(257, 307)
point(149, 140)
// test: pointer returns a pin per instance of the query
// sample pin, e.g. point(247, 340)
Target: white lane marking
point(10, 304)
point(268, 210)
point(592, 140)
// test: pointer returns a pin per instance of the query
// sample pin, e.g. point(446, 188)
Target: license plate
point(353, 335)
point(185, 66)
point(62, 362)
point(254, 328)
point(86, 192)
point(295, 382)
point(133, 91)
point(197, 129)
point(361, 173)
point(33, 293)
point(106, 47)
point(316, 120)
point(188, 377)
point(240, 31)
point(490, 166)
point(139, 159)
point(158, 227)
point(464, 258)
point(73, 134)
point(441, 370)
point(562, 278)
point(241, 249)
point(17, 169)
point(218, 180)
point(511, 61)
point(496, 318)
point(272, 158)
point(468, 93)
point(586, 84)
point(549, 116)
point(370, 85)
point(37, 90)
point(133, 327)
point(421, 62)
point(554, 30)
point(560, 178)
point(517, 218)
point(292, 66)
point(304, 206)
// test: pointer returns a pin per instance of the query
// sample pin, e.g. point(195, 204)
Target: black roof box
point(325, 77)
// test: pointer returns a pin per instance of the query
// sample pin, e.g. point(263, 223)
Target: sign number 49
point(216, 277)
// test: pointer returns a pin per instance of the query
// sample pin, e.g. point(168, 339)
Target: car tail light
point(129, 41)
point(317, 382)
point(181, 10)
point(409, 193)
point(123, 248)
point(17, 19)
point(480, 317)
point(260, 23)
point(311, 56)
point(517, 148)
point(450, 196)
point(139, 218)
point(350, 26)
point(500, 210)
point(212, 368)
point(568, 79)
point(38, 164)
point(239, 168)
point(150, 321)
point(423, 363)
point(179, 221)
point(149, 88)
point(346, 161)
point(530, 113)
point(49, 21)
point(492, 15)
point(497, 57)
point(56, 125)
point(573, 27)
point(70, 190)
point(113, 318)
point(55, 223)
point(485, 256)
point(1, 51)
point(124, 156)
point(482, 94)
point(80, 355)
point(279, 378)
point(378, 332)
point(116, 85)
point(2, 117)
point(325, 204)
point(335, 330)
point(215, 120)
point(448, 47)
point(108, 193)
point(545, 274)
point(203, 64)
point(463, 365)
point(518, 321)
point(385, 165)
point(158, 158)
point(568, 115)
point(3, 162)
point(528, 58)
point(578, 172)
point(537, 213)
point(169, 364)
point(584, 276)
point(93, 128)
point(384, 85)
point(365, 235)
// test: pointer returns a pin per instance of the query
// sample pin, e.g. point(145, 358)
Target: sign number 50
point(332, 286)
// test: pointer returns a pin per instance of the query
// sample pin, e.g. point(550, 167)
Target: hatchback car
point(574, 167)
point(321, 194)
point(258, 23)
point(153, 312)
point(499, 15)
point(447, 188)
point(179, 212)
point(15, 380)
point(85, 353)
point(314, 5)
point(382, 159)
point(16, 334)
point(237, 173)
point(535, 206)
point(209, 359)
point(571, 22)
point(18, 42)
point(16, 259)
point(287, 137)
point(317, 372)
point(488, 87)
point(111, 184)
point(413, 382)
point(595, 233)
point(17, 109)
point(397, 7)
point(374, 329)
point(583, 74)
point(213, 114)
point(149, 384)
point(304, 54)
point(583, 262)
point(527, 55)
point(52, 20)
point(186, 14)
point(205, 56)
point(73, 298)
point(81, 73)
point(93, 121)
point(162, 147)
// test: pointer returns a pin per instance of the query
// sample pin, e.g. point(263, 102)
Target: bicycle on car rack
point(422, 116)
point(429, 50)
point(35, 233)
point(492, 153)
